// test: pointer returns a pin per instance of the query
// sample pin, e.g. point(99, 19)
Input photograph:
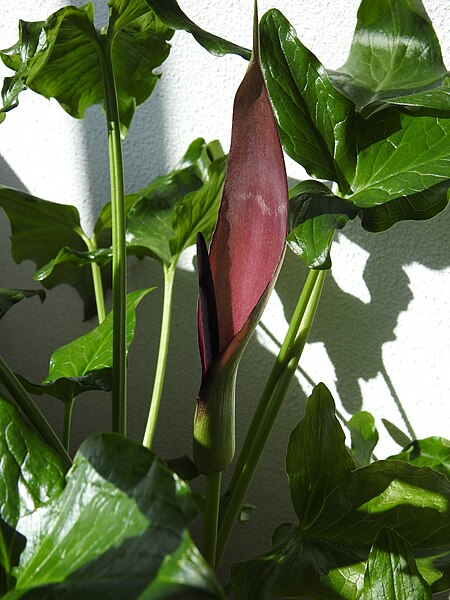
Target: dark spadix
point(238, 274)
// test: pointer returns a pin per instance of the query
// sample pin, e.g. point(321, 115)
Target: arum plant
point(237, 275)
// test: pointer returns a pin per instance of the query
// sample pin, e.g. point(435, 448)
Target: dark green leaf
point(171, 14)
point(364, 436)
point(411, 155)
point(167, 215)
point(314, 215)
point(315, 120)
point(396, 434)
point(341, 512)
point(315, 468)
point(437, 100)
point(30, 475)
point(63, 57)
point(39, 230)
point(395, 52)
point(431, 452)
point(86, 363)
point(76, 258)
point(391, 571)
point(115, 531)
point(9, 297)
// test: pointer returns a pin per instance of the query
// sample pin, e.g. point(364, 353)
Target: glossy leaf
point(31, 475)
point(315, 120)
point(364, 436)
point(314, 215)
point(63, 57)
point(431, 452)
point(391, 570)
point(169, 12)
point(166, 215)
point(86, 363)
point(394, 52)
point(244, 258)
point(114, 532)
point(9, 297)
point(341, 510)
point(436, 100)
point(411, 156)
point(75, 258)
point(39, 230)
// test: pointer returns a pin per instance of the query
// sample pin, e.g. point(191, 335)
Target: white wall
point(382, 337)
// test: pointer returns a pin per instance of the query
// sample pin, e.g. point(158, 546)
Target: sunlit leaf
point(395, 52)
point(315, 120)
point(171, 14)
point(431, 452)
point(396, 433)
point(364, 436)
point(314, 215)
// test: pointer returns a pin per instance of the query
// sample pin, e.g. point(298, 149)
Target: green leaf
point(39, 230)
point(411, 155)
point(396, 434)
point(86, 363)
point(316, 122)
point(76, 258)
point(364, 436)
point(171, 14)
point(31, 475)
point(9, 297)
point(341, 510)
point(167, 215)
point(314, 215)
point(431, 452)
point(391, 570)
point(118, 529)
point(436, 100)
point(395, 52)
point(63, 57)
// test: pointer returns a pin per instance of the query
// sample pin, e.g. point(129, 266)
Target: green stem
point(68, 406)
point(212, 503)
point(91, 244)
point(275, 374)
point(31, 411)
point(119, 265)
point(169, 276)
point(270, 403)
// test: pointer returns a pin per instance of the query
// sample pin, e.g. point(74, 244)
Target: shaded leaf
point(314, 215)
point(396, 434)
point(63, 57)
point(166, 215)
point(86, 363)
point(113, 531)
point(171, 14)
point(9, 297)
point(364, 437)
point(340, 514)
point(391, 571)
point(431, 452)
point(315, 120)
point(39, 230)
point(394, 52)
point(76, 258)
point(436, 100)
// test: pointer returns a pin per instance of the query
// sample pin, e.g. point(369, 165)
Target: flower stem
point(68, 406)
point(91, 244)
point(31, 411)
point(212, 503)
point(119, 265)
point(271, 401)
point(169, 276)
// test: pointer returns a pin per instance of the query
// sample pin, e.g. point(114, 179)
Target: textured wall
point(382, 334)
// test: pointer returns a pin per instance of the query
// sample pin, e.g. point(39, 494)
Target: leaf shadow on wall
point(354, 332)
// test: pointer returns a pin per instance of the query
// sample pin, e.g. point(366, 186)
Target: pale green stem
point(212, 503)
point(169, 276)
point(119, 264)
point(31, 411)
point(91, 244)
point(68, 406)
point(268, 409)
